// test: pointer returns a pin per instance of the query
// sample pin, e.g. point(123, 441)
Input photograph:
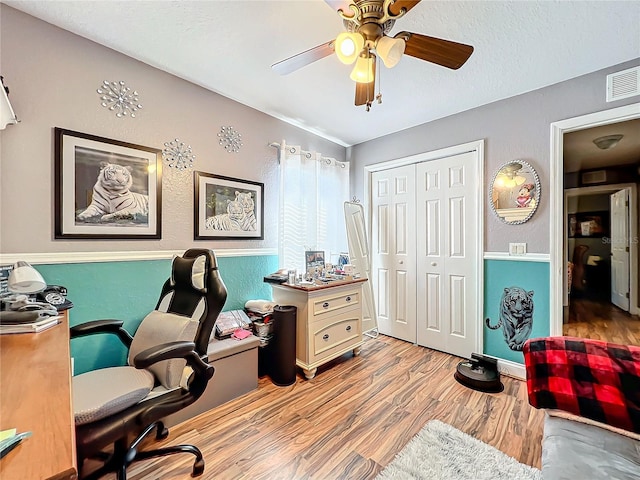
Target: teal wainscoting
point(129, 290)
point(501, 274)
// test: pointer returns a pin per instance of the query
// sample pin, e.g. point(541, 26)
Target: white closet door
point(619, 204)
point(394, 251)
point(447, 256)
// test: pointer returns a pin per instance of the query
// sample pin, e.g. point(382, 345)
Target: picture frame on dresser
point(227, 208)
point(105, 188)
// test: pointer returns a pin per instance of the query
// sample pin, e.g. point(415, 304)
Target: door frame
point(476, 146)
point(556, 199)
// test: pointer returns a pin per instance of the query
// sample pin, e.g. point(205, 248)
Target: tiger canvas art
point(516, 317)
point(240, 215)
point(112, 197)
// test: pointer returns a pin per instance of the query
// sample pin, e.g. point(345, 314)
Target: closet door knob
point(401, 262)
point(433, 264)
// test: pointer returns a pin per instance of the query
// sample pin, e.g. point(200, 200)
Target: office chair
point(167, 370)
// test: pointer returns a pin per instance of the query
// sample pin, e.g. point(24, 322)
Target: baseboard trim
point(527, 257)
point(512, 369)
point(92, 257)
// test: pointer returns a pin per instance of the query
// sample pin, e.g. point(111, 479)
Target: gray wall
point(515, 128)
point(53, 76)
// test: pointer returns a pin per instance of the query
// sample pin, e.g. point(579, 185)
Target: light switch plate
point(517, 248)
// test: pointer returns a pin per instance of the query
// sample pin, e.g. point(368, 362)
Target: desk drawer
point(331, 303)
point(334, 334)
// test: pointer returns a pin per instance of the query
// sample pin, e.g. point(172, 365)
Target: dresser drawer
point(332, 303)
point(334, 334)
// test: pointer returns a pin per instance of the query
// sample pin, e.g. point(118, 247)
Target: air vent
point(623, 84)
point(598, 176)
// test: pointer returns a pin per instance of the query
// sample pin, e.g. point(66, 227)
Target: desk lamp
point(25, 279)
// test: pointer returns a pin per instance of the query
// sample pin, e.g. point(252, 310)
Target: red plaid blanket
point(590, 378)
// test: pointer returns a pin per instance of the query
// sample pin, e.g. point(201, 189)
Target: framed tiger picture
point(227, 208)
point(106, 189)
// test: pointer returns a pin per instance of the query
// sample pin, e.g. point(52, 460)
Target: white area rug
point(441, 452)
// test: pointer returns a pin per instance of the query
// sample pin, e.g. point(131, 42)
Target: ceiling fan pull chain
point(379, 95)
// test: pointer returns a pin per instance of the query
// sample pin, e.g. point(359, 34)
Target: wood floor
point(349, 421)
point(601, 320)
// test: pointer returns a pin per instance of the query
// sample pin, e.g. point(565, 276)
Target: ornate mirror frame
point(515, 192)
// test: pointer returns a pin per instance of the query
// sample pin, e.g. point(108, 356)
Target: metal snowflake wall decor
point(230, 139)
point(178, 155)
point(116, 96)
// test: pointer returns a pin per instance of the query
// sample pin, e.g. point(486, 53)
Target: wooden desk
point(35, 395)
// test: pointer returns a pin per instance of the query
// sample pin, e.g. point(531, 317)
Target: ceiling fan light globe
point(348, 46)
point(363, 72)
point(390, 50)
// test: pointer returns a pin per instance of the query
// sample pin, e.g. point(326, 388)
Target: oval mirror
point(515, 192)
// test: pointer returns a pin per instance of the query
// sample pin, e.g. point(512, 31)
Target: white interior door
point(619, 203)
point(394, 248)
point(447, 254)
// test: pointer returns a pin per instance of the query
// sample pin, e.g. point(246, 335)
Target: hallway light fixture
point(608, 141)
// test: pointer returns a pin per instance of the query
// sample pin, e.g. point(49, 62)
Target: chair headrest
point(189, 271)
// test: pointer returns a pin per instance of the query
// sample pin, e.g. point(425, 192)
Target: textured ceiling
point(229, 46)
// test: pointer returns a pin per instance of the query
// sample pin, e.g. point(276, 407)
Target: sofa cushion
point(575, 450)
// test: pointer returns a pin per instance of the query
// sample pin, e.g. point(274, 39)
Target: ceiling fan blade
point(300, 60)
point(364, 93)
point(436, 50)
point(397, 6)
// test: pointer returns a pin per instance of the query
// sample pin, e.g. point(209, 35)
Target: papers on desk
point(9, 439)
point(29, 322)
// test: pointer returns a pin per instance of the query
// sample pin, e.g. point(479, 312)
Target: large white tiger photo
point(112, 198)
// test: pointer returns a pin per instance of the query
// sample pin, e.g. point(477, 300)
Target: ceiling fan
point(367, 25)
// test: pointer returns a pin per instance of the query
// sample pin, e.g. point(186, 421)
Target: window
point(313, 190)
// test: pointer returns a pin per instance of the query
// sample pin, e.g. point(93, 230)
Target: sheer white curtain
point(313, 190)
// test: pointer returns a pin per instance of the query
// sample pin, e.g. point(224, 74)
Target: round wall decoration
point(230, 139)
point(119, 98)
point(178, 155)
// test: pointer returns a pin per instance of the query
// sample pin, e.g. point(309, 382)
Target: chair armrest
point(102, 326)
point(171, 350)
point(590, 378)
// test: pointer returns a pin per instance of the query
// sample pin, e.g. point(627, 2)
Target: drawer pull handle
point(325, 305)
point(348, 328)
point(348, 299)
point(325, 337)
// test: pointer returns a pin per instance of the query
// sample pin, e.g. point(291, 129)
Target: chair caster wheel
point(162, 434)
point(198, 468)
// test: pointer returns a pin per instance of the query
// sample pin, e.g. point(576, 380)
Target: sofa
point(591, 393)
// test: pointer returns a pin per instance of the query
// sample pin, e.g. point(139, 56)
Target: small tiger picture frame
point(106, 189)
point(227, 208)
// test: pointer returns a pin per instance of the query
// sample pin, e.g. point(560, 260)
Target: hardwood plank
point(349, 421)
point(600, 320)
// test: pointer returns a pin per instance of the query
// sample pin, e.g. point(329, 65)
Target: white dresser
point(329, 320)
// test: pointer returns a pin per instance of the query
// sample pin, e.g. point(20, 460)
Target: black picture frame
point(227, 208)
point(314, 259)
point(86, 210)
